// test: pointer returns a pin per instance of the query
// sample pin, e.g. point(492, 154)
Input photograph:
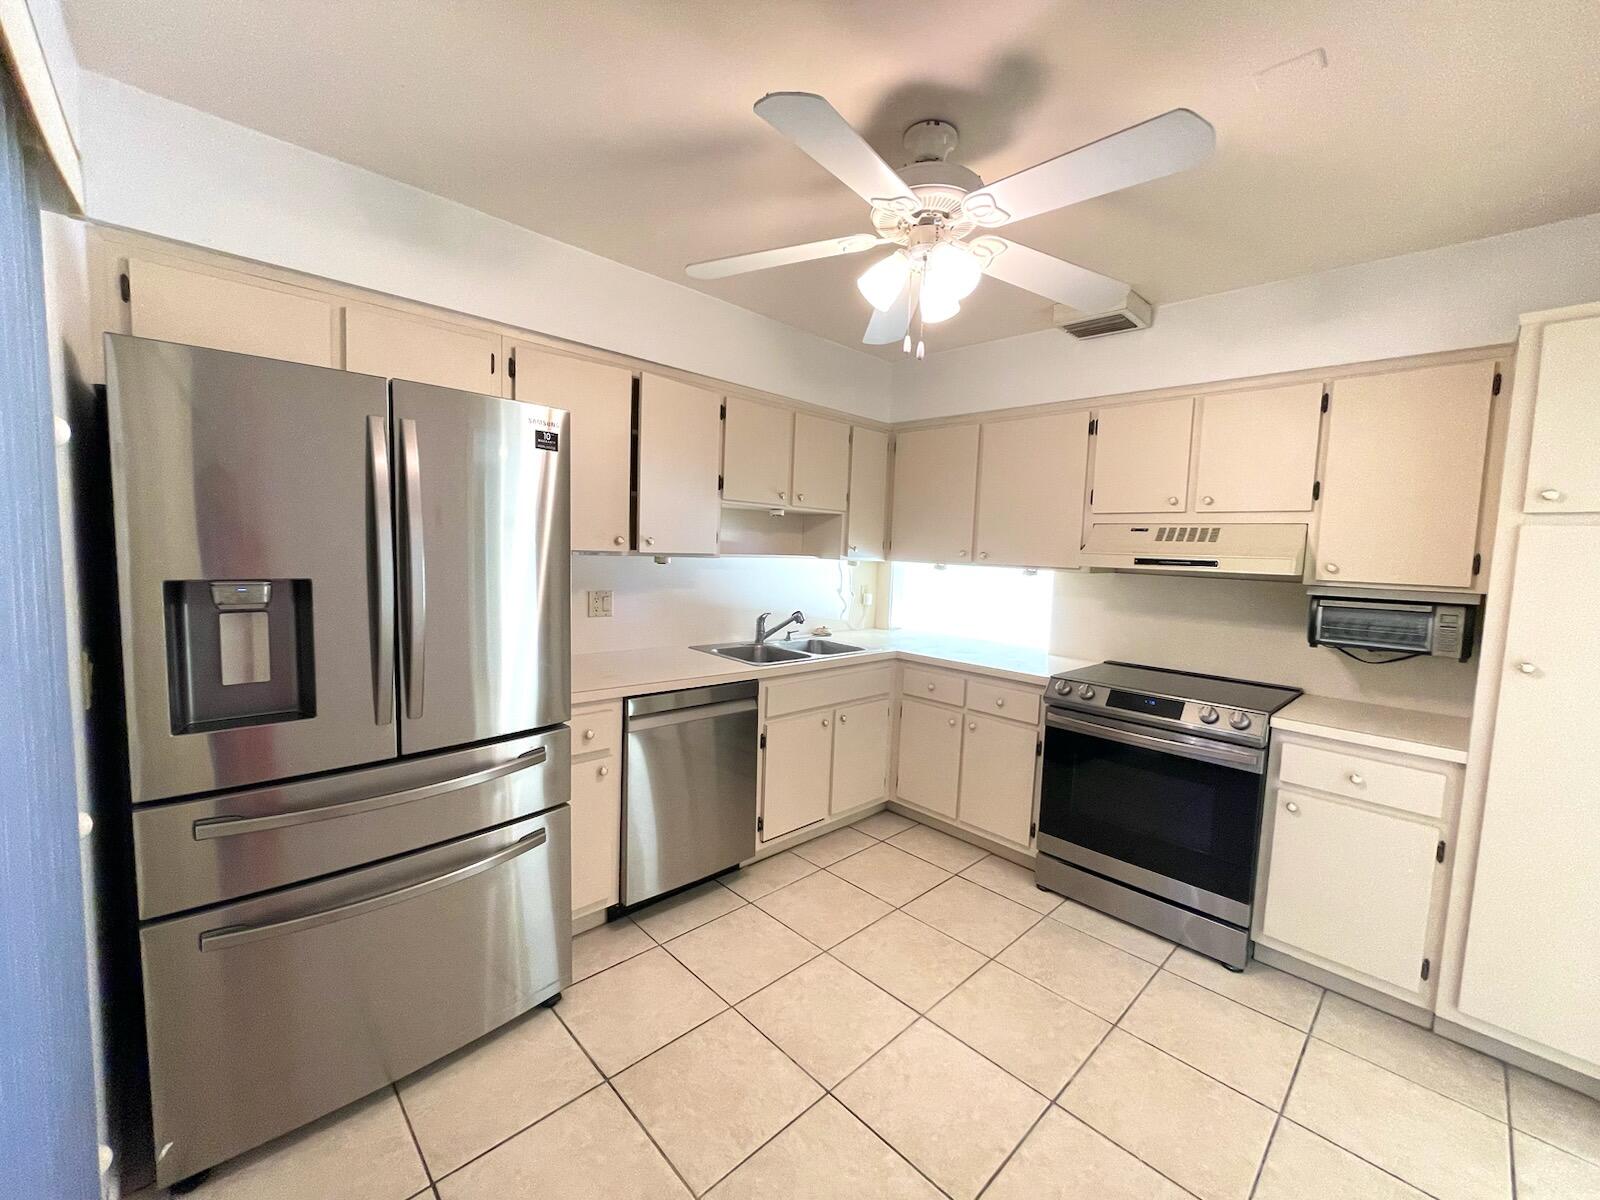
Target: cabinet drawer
point(933, 685)
point(1409, 789)
point(828, 689)
point(597, 727)
point(1016, 703)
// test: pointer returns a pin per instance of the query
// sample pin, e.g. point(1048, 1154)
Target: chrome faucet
point(763, 633)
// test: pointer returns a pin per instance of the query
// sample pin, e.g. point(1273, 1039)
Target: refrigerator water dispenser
point(239, 652)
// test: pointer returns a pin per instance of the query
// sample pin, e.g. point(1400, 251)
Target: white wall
point(1246, 628)
point(1451, 298)
point(161, 168)
point(697, 600)
point(50, 24)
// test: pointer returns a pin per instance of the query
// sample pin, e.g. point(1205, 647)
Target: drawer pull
point(824, 722)
point(931, 687)
point(238, 935)
point(1291, 806)
point(999, 701)
point(220, 827)
point(588, 735)
point(972, 725)
point(842, 718)
point(619, 540)
point(952, 722)
point(1527, 668)
point(1358, 780)
point(1551, 494)
point(603, 771)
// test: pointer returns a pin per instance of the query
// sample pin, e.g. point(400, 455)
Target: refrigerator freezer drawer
point(197, 852)
point(269, 1013)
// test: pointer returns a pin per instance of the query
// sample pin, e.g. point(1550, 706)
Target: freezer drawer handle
point(239, 935)
point(383, 572)
point(209, 828)
point(415, 565)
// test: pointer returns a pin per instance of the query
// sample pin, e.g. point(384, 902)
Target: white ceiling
point(625, 126)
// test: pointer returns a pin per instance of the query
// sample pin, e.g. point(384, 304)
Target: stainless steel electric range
point(1150, 802)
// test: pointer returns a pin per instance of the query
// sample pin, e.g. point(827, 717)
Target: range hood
point(1235, 551)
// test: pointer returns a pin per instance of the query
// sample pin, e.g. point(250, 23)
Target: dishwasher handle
point(682, 716)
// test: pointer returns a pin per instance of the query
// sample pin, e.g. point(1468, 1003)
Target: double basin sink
point(780, 652)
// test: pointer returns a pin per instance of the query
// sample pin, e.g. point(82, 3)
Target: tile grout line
point(427, 1171)
point(1277, 1120)
point(650, 1137)
point(565, 1104)
point(1511, 1135)
point(1356, 1054)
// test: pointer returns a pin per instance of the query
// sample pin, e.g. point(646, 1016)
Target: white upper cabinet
point(1031, 490)
point(935, 489)
point(1402, 476)
point(821, 462)
point(1258, 450)
point(172, 304)
point(378, 341)
point(1529, 965)
point(867, 526)
point(1564, 459)
point(1141, 457)
point(758, 451)
point(680, 450)
point(599, 398)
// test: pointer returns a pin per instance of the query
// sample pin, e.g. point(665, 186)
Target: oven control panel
point(1216, 721)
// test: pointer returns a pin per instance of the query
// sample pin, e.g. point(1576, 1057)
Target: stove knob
point(1209, 715)
point(1061, 686)
point(1240, 720)
point(1085, 692)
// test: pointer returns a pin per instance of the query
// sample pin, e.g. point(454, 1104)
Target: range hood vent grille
point(1260, 550)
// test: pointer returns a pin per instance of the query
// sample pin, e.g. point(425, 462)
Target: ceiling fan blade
point(782, 256)
point(1053, 278)
point(1164, 145)
point(890, 326)
point(816, 127)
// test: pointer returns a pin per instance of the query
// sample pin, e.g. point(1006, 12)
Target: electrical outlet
point(600, 603)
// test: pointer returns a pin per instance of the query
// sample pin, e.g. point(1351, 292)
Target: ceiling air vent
point(1136, 313)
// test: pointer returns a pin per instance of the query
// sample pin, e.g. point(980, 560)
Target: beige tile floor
point(890, 1012)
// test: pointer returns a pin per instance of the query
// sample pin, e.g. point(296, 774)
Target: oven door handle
point(1218, 753)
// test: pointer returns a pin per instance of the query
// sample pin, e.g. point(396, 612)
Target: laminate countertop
point(1405, 730)
point(611, 674)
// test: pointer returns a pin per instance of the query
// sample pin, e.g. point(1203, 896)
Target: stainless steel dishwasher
point(689, 807)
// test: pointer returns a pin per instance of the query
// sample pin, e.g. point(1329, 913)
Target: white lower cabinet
point(1351, 885)
point(825, 739)
point(798, 772)
point(596, 808)
point(860, 755)
point(1352, 872)
point(930, 756)
point(997, 773)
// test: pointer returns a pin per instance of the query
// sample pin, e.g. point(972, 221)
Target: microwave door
point(253, 551)
point(482, 566)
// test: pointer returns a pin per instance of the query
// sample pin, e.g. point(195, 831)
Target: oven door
point(1171, 814)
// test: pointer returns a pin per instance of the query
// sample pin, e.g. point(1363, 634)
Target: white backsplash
point(693, 600)
point(1241, 627)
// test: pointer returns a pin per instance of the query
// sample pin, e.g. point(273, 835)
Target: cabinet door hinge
point(1091, 497)
point(491, 362)
point(1094, 426)
point(1477, 563)
point(761, 824)
point(1324, 399)
point(1426, 968)
point(511, 365)
point(1316, 490)
point(1438, 855)
point(1495, 390)
point(1033, 830)
point(722, 413)
point(126, 287)
point(763, 739)
point(719, 483)
point(1038, 748)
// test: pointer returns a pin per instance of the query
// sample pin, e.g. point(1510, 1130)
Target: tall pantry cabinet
point(1526, 899)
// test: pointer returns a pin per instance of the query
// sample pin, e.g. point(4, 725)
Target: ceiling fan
point(934, 212)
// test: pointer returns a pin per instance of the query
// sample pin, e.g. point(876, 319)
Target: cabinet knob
point(1331, 568)
point(588, 735)
point(852, 547)
point(841, 718)
point(824, 722)
point(961, 553)
point(952, 722)
point(649, 541)
point(783, 495)
point(1172, 500)
point(1527, 668)
point(619, 540)
point(983, 554)
point(999, 701)
point(931, 687)
point(1551, 494)
point(1291, 806)
point(800, 496)
point(1358, 780)
point(973, 725)
point(603, 771)
point(1207, 500)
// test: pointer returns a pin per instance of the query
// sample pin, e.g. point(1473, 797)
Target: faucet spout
point(763, 633)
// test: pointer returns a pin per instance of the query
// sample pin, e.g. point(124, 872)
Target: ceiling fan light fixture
point(952, 269)
point(884, 280)
point(938, 305)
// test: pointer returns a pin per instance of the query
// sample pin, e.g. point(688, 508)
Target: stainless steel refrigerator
point(345, 639)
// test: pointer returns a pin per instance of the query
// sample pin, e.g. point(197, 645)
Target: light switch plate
point(600, 603)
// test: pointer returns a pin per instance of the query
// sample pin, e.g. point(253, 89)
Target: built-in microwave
point(1407, 626)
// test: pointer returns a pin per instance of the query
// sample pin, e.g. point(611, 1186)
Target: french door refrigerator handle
point(209, 828)
point(221, 939)
point(415, 566)
point(383, 570)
